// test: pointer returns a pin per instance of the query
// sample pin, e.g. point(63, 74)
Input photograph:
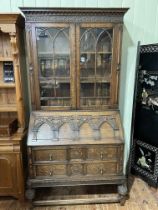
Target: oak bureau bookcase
point(75, 134)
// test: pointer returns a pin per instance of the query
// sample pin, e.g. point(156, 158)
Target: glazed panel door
point(97, 62)
point(54, 66)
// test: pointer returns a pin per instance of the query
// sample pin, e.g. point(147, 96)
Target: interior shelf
point(94, 80)
point(54, 98)
point(98, 52)
point(52, 80)
point(50, 54)
point(94, 97)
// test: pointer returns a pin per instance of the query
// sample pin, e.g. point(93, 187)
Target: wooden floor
point(142, 197)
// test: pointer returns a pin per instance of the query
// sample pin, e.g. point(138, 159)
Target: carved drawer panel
point(50, 170)
point(49, 155)
point(76, 169)
point(101, 169)
point(102, 153)
point(76, 153)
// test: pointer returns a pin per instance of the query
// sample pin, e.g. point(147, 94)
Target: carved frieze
point(74, 15)
point(74, 18)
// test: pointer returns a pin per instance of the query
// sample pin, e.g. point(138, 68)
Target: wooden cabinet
point(11, 167)
point(12, 112)
point(74, 64)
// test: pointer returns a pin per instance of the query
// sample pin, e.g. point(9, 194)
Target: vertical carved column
point(19, 99)
point(30, 65)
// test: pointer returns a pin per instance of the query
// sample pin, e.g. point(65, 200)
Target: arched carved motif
point(75, 123)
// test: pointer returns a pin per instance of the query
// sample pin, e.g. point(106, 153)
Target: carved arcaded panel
point(74, 127)
point(65, 131)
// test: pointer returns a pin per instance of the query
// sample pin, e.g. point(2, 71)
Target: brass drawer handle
point(101, 155)
point(50, 157)
point(101, 171)
point(50, 173)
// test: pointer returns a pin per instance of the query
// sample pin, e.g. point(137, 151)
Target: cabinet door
point(55, 66)
point(97, 58)
point(8, 174)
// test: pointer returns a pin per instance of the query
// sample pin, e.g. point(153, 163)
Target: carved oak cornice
point(77, 15)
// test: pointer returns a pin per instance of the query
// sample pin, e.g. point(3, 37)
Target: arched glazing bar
point(56, 53)
point(95, 64)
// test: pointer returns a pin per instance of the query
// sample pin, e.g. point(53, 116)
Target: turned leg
point(123, 192)
point(30, 195)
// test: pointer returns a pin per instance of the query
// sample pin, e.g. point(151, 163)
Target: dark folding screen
point(144, 138)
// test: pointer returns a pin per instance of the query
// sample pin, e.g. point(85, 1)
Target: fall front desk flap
point(74, 127)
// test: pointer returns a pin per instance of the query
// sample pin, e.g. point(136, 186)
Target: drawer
point(50, 155)
point(101, 169)
point(50, 170)
point(102, 153)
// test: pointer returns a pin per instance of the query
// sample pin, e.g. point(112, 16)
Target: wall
point(140, 24)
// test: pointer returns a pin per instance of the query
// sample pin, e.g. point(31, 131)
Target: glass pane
point(95, 66)
point(54, 66)
point(87, 40)
point(62, 66)
point(103, 65)
point(104, 41)
point(102, 89)
point(87, 63)
point(87, 89)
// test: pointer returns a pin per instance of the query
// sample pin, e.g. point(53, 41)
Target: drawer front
point(50, 170)
point(102, 153)
point(77, 169)
point(101, 169)
point(50, 155)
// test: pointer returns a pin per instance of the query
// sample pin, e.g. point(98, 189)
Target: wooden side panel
point(117, 34)
point(8, 175)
